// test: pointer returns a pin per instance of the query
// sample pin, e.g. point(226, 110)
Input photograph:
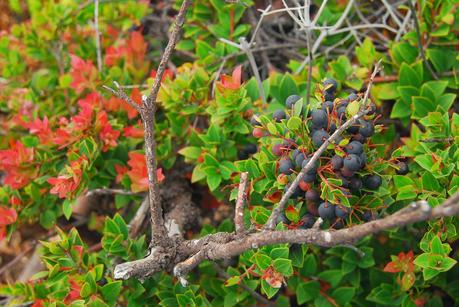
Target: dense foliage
point(63, 135)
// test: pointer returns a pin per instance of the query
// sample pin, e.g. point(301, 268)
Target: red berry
point(258, 133)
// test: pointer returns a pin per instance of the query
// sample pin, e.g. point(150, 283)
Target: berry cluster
point(343, 175)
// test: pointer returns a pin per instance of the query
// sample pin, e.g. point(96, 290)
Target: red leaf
point(139, 172)
point(42, 130)
point(84, 74)
point(392, 267)
point(7, 216)
point(67, 183)
point(237, 75)
point(17, 162)
point(134, 131)
point(232, 82)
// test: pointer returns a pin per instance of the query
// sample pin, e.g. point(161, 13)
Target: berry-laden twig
point(271, 224)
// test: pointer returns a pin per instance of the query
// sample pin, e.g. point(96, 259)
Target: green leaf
point(67, 208)
point(262, 261)
point(408, 76)
point(283, 266)
point(343, 295)
point(294, 123)
point(191, 152)
point(214, 181)
point(111, 291)
point(331, 276)
point(307, 291)
point(279, 252)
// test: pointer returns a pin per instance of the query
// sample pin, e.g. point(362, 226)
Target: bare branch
point(121, 94)
point(271, 224)
point(107, 191)
point(240, 202)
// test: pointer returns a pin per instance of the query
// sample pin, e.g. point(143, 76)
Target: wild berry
point(355, 183)
point(254, 122)
point(319, 137)
point(366, 128)
point(352, 97)
point(332, 129)
point(354, 147)
point(258, 132)
point(341, 112)
point(353, 129)
point(402, 168)
point(279, 115)
point(299, 159)
point(359, 138)
point(290, 101)
point(369, 216)
point(337, 223)
point(342, 212)
point(313, 208)
point(314, 167)
point(286, 166)
point(278, 149)
point(336, 162)
point(372, 182)
point(347, 173)
point(319, 118)
point(327, 106)
point(308, 178)
point(372, 108)
point(330, 85)
point(307, 221)
point(312, 196)
point(352, 162)
point(250, 149)
point(329, 96)
point(326, 211)
point(304, 186)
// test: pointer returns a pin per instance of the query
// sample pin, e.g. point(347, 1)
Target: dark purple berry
point(341, 112)
point(254, 122)
point(319, 137)
point(369, 216)
point(279, 115)
point(353, 129)
point(359, 138)
point(326, 211)
point(354, 147)
point(329, 96)
point(327, 106)
point(337, 223)
point(319, 118)
point(299, 160)
point(372, 109)
point(330, 85)
point(347, 173)
point(355, 183)
point(278, 149)
point(332, 128)
point(336, 162)
point(312, 196)
point(250, 149)
point(372, 182)
point(352, 97)
point(290, 101)
point(352, 162)
point(314, 167)
point(286, 166)
point(308, 221)
point(402, 168)
point(342, 212)
point(308, 178)
point(366, 128)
